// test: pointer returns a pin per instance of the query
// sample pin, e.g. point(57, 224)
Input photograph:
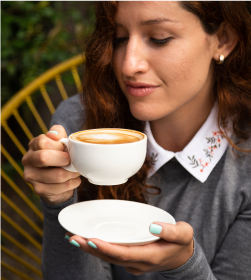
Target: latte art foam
point(102, 137)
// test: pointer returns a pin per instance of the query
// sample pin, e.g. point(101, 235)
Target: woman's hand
point(42, 167)
point(173, 250)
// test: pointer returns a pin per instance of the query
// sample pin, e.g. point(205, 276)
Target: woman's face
point(162, 58)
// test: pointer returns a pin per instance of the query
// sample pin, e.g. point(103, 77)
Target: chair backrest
point(22, 118)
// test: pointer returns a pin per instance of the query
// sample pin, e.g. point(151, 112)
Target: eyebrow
point(152, 21)
point(155, 21)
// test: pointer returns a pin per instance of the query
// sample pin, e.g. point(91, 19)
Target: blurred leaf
point(43, 4)
point(11, 69)
point(75, 14)
point(47, 12)
point(37, 35)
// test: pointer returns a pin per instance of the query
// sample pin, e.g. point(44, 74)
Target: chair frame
point(11, 109)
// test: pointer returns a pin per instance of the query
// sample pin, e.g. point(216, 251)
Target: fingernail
point(53, 131)
point(75, 243)
point(155, 229)
point(90, 243)
point(67, 237)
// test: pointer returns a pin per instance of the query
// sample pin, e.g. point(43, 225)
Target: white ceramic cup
point(106, 164)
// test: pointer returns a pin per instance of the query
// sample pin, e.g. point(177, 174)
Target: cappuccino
point(107, 136)
point(106, 164)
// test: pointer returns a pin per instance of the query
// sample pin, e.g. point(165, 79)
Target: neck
point(175, 131)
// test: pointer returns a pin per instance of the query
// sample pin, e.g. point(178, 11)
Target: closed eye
point(161, 41)
point(164, 41)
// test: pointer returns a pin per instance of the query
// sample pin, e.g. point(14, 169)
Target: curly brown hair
point(106, 106)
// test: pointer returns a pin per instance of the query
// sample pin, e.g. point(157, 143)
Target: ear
point(227, 40)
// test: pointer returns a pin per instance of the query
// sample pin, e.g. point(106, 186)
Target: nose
point(135, 60)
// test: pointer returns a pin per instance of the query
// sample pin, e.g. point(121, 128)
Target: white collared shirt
point(201, 154)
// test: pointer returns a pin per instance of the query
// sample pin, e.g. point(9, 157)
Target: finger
point(181, 232)
point(120, 252)
point(83, 244)
point(46, 158)
point(49, 140)
point(56, 132)
point(55, 189)
point(43, 142)
point(134, 271)
point(50, 175)
point(68, 235)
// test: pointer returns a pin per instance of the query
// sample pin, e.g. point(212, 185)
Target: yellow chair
point(21, 234)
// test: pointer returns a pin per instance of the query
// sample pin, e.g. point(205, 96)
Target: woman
point(181, 73)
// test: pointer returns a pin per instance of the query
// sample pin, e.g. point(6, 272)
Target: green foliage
point(38, 34)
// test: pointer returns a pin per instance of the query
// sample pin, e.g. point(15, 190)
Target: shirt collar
point(201, 154)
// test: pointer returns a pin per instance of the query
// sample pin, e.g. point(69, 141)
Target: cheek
point(184, 68)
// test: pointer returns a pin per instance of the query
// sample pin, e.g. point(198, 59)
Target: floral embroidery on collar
point(209, 153)
point(154, 158)
point(201, 154)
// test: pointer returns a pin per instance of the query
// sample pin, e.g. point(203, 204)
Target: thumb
point(56, 132)
point(181, 232)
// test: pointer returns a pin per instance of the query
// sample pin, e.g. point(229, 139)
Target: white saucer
point(114, 221)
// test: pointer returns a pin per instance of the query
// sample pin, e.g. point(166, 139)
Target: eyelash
point(121, 40)
point(161, 41)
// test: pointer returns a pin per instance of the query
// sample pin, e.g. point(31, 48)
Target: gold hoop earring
point(221, 59)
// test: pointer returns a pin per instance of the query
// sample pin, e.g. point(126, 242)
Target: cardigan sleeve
point(231, 262)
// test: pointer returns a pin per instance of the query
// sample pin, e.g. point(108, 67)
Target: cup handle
point(70, 166)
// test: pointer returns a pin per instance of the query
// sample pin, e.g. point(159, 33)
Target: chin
point(144, 114)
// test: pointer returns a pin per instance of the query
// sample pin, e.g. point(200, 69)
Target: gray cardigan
point(219, 210)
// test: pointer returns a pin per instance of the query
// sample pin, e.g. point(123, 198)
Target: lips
point(140, 89)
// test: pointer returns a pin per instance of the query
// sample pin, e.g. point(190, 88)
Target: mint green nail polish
point(75, 243)
point(90, 243)
point(67, 237)
point(155, 229)
point(53, 131)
